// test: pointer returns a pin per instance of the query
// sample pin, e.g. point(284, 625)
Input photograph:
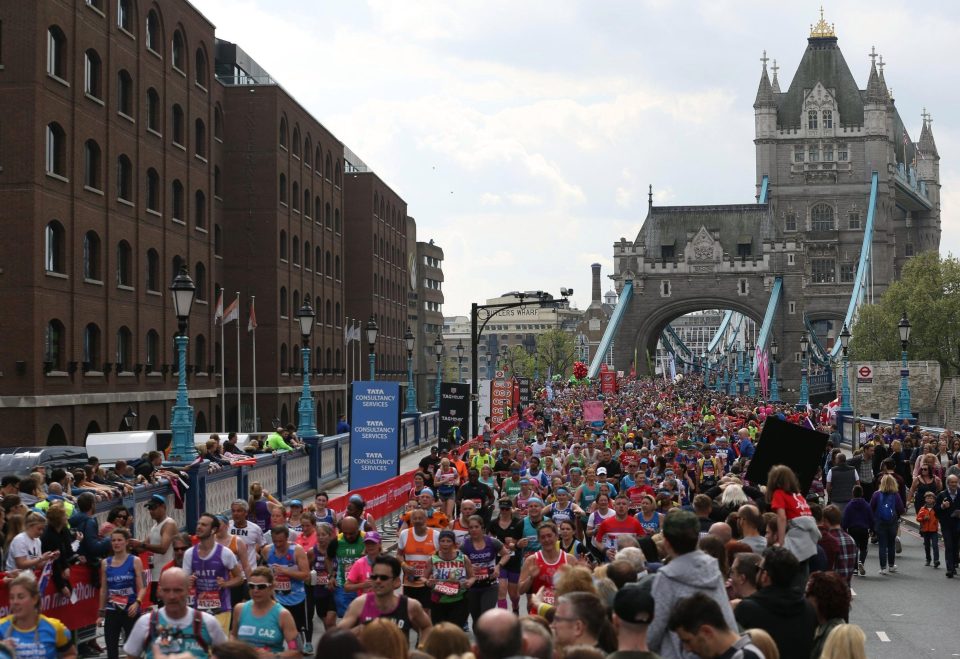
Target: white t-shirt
point(22, 546)
point(135, 645)
point(251, 537)
point(227, 557)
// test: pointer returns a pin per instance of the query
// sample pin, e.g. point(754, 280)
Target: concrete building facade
point(425, 312)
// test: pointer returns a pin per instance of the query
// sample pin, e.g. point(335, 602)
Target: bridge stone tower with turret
point(818, 144)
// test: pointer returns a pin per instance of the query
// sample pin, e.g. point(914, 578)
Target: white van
point(126, 445)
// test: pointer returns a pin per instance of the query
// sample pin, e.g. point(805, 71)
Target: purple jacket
point(857, 515)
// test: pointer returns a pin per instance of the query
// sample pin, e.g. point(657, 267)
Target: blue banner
point(374, 433)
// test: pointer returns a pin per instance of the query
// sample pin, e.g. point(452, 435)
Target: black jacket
point(62, 541)
point(785, 615)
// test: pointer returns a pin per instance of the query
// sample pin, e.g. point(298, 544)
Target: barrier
point(53, 603)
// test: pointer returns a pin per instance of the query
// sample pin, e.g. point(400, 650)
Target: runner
point(383, 602)
point(213, 570)
point(323, 557)
point(263, 623)
point(487, 555)
point(539, 568)
point(451, 575)
point(290, 572)
point(415, 546)
point(508, 529)
point(123, 593)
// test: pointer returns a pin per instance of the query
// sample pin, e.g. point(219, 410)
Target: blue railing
point(678, 343)
point(766, 329)
point(324, 463)
point(721, 331)
point(625, 295)
point(764, 189)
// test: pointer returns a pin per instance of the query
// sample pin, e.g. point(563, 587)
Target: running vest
point(449, 573)
point(263, 631)
point(484, 561)
point(545, 578)
point(210, 597)
point(288, 591)
point(651, 527)
point(417, 553)
point(588, 495)
point(400, 615)
point(347, 554)
point(562, 514)
point(121, 584)
point(154, 537)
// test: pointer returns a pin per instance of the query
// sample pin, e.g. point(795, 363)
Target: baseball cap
point(295, 502)
point(156, 500)
point(505, 504)
point(356, 498)
point(634, 602)
point(602, 471)
point(447, 533)
point(372, 536)
point(645, 460)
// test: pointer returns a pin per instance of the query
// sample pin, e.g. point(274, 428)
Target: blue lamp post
point(371, 331)
point(438, 349)
point(307, 427)
point(410, 341)
point(182, 421)
point(774, 385)
point(904, 412)
point(460, 361)
point(845, 404)
point(742, 369)
point(705, 366)
point(804, 386)
point(751, 380)
point(734, 375)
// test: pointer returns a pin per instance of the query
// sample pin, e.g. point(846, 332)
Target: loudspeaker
point(782, 443)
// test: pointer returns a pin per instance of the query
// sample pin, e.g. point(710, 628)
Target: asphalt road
point(911, 614)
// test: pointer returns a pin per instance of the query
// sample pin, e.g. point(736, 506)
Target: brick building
point(109, 147)
point(425, 311)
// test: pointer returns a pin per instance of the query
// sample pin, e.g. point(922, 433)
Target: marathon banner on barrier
point(501, 395)
point(374, 433)
point(454, 408)
point(526, 394)
point(608, 382)
point(74, 613)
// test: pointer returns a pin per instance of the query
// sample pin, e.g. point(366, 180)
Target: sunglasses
point(180, 548)
point(259, 586)
point(380, 577)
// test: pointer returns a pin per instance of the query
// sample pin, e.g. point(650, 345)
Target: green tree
point(555, 350)
point(519, 361)
point(929, 292)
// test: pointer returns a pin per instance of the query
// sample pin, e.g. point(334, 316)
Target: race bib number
point(447, 588)
point(119, 600)
point(209, 600)
point(549, 596)
point(323, 579)
point(484, 573)
point(281, 583)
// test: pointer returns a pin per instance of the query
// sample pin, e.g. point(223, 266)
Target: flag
point(232, 312)
point(219, 312)
point(356, 332)
point(45, 576)
point(252, 323)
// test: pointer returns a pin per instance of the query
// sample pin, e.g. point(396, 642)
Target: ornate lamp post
point(774, 385)
point(129, 418)
point(182, 422)
point(904, 397)
point(804, 367)
point(845, 406)
point(751, 379)
point(705, 367)
point(371, 331)
point(732, 358)
point(438, 350)
point(489, 365)
point(308, 425)
point(742, 369)
point(410, 341)
point(460, 360)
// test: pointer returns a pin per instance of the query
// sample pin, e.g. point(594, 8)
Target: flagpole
point(223, 379)
point(346, 347)
point(254, 372)
point(239, 428)
point(347, 354)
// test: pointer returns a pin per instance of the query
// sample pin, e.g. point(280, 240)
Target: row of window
point(429, 260)
point(822, 219)
point(823, 270)
point(327, 312)
point(55, 250)
point(290, 362)
point(330, 171)
point(55, 351)
point(433, 284)
point(818, 152)
point(814, 115)
point(387, 288)
point(387, 212)
point(325, 262)
point(321, 212)
point(390, 253)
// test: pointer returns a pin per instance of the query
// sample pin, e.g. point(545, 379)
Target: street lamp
point(742, 369)
point(438, 349)
point(307, 427)
point(129, 418)
point(904, 398)
point(804, 386)
point(774, 385)
point(845, 407)
point(371, 330)
point(409, 340)
point(705, 369)
point(182, 422)
point(732, 359)
point(751, 380)
point(487, 356)
point(460, 361)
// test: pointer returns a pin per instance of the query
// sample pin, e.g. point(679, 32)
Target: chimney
point(596, 283)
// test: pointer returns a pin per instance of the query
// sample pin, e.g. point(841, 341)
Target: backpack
point(198, 629)
point(746, 649)
point(886, 511)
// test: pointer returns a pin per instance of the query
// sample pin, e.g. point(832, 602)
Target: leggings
point(311, 608)
point(113, 622)
point(481, 599)
point(862, 538)
point(455, 612)
point(931, 540)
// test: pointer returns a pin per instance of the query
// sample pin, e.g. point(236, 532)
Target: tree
point(519, 361)
point(556, 352)
point(929, 292)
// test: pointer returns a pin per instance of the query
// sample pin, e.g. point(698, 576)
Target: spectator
point(445, 639)
point(581, 619)
point(744, 575)
point(701, 625)
point(381, 637)
point(498, 635)
point(92, 546)
point(537, 640)
point(830, 596)
point(633, 609)
point(845, 642)
point(840, 547)
point(752, 527)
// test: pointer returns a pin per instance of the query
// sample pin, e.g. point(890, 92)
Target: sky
point(523, 135)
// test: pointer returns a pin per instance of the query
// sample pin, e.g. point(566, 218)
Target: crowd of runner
point(634, 536)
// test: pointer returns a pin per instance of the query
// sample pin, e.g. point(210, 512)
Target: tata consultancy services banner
point(454, 408)
point(374, 433)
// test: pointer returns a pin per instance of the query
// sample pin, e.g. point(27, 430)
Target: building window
point(178, 128)
point(842, 154)
point(329, 313)
point(283, 132)
point(153, 350)
point(176, 265)
point(854, 219)
point(799, 154)
point(823, 270)
point(124, 179)
point(124, 349)
point(153, 32)
point(200, 75)
point(336, 220)
point(336, 271)
point(328, 216)
point(306, 254)
point(200, 138)
point(56, 52)
point(665, 288)
point(124, 264)
point(814, 154)
point(317, 259)
point(791, 259)
point(200, 210)
point(217, 240)
point(200, 354)
point(306, 202)
point(283, 245)
point(295, 195)
point(328, 270)
point(295, 249)
point(125, 15)
point(178, 58)
point(56, 150)
point(91, 346)
point(153, 110)
point(846, 273)
point(821, 218)
point(92, 70)
point(811, 120)
point(283, 302)
point(91, 256)
point(124, 93)
point(218, 123)
point(744, 250)
point(827, 119)
point(667, 252)
point(217, 189)
point(178, 201)
point(336, 317)
point(153, 270)
point(790, 221)
point(91, 165)
point(908, 249)
point(295, 144)
point(283, 189)
point(53, 348)
point(200, 279)
point(306, 151)
point(283, 358)
point(328, 168)
point(296, 301)
point(153, 190)
point(55, 249)
point(827, 153)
